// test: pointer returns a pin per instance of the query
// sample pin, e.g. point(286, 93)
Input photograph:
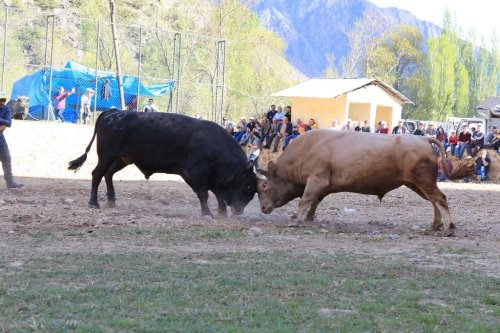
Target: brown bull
point(321, 162)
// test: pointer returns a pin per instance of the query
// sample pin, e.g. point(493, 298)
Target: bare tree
point(364, 39)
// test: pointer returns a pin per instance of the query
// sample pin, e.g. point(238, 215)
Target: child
point(452, 142)
point(255, 150)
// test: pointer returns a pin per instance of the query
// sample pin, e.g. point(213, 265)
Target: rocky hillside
point(314, 29)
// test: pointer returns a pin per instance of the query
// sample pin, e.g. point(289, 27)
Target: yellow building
point(342, 99)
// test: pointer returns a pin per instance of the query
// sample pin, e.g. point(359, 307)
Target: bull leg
point(437, 214)
point(203, 196)
point(110, 189)
point(315, 186)
point(221, 206)
point(100, 170)
point(438, 219)
point(312, 211)
point(438, 199)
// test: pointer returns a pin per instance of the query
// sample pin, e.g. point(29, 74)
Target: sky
point(483, 15)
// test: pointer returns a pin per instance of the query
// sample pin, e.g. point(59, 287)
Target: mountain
point(313, 29)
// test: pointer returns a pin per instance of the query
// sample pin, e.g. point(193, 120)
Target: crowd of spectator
point(275, 127)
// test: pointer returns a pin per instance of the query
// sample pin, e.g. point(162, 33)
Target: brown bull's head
point(273, 191)
point(266, 189)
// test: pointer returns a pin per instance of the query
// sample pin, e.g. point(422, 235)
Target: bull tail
point(76, 164)
point(460, 171)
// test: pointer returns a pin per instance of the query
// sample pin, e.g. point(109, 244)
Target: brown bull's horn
point(261, 176)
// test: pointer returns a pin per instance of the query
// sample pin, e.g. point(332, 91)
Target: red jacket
point(453, 140)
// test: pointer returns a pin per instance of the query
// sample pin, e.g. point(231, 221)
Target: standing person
point(85, 102)
point(288, 113)
point(132, 105)
point(255, 150)
point(271, 113)
point(6, 121)
point(60, 99)
point(150, 107)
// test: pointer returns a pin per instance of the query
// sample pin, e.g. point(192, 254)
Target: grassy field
point(227, 280)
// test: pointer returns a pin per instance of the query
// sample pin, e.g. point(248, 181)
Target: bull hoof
point(96, 206)
point(449, 232)
point(222, 214)
point(111, 204)
point(436, 227)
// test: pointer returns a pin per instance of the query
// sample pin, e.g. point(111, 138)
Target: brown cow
point(321, 162)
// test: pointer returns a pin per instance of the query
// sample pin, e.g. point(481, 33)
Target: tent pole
point(137, 97)
point(46, 42)
point(96, 68)
point(4, 56)
point(51, 62)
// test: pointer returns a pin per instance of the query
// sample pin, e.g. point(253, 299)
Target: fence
point(182, 72)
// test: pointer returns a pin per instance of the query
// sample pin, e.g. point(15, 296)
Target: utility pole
point(117, 56)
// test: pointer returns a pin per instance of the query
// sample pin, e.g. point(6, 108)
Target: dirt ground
point(55, 199)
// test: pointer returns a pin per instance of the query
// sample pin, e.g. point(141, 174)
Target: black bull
point(201, 152)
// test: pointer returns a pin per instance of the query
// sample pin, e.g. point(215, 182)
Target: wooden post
point(117, 56)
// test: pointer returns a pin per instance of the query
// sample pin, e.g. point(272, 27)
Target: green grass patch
point(213, 291)
point(447, 249)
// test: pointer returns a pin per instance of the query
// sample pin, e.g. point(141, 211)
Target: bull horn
point(261, 176)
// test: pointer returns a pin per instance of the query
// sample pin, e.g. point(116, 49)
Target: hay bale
point(462, 168)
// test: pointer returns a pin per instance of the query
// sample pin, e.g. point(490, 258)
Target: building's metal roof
point(332, 88)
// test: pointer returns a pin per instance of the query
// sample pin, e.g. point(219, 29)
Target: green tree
point(441, 68)
point(397, 57)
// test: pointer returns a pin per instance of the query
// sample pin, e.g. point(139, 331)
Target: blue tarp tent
point(74, 75)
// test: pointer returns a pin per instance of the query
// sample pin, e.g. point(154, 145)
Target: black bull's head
point(243, 192)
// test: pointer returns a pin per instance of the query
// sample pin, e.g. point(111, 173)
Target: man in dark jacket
point(400, 128)
point(270, 115)
point(284, 130)
point(5, 121)
point(420, 129)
